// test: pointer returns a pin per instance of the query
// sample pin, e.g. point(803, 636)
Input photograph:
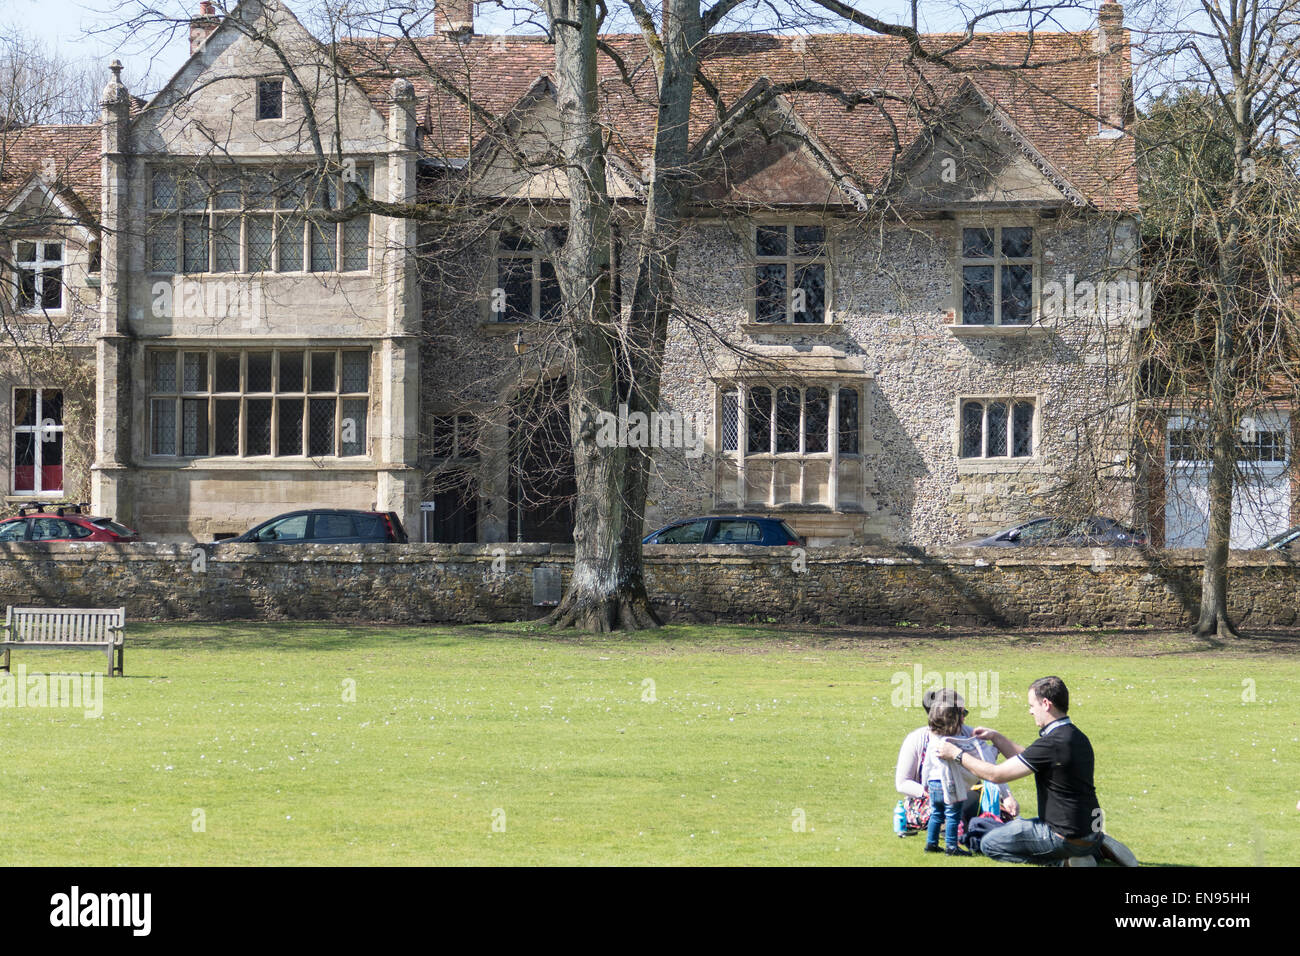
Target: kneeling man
point(1068, 824)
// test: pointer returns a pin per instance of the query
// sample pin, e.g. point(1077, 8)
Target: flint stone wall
point(739, 584)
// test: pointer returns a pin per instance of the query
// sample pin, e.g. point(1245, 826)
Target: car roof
point(323, 511)
point(51, 514)
point(723, 518)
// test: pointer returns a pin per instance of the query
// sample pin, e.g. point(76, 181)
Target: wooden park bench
point(66, 627)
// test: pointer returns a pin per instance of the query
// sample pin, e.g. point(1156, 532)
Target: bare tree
point(39, 86)
point(1222, 231)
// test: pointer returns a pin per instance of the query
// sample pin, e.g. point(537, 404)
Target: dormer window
point(270, 99)
point(40, 276)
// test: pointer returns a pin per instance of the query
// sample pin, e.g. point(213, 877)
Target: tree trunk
point(1214, 621)
point(607, 591)
point(615, 362)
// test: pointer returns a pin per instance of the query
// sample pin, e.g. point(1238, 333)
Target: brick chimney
point(201, 27)
point(454, 17)
point(1114, 68)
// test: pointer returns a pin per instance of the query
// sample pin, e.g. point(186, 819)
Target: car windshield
point(690, 533)
point(110, 525)
point(292, 528)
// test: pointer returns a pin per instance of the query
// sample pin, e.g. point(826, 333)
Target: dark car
point(726, 529)
point(62, 522)
point(1093, 532)
point(1286, 541)
point(326, 526)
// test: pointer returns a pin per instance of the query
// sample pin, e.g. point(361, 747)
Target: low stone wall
point(478, 583)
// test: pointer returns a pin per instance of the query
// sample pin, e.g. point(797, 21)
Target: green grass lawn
point(246, 728)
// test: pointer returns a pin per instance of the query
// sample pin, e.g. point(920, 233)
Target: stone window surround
point(208, 393)
point(245, 211)
point(752, 325)
point(40, 265)
point(996, 221)
point(258, 100)
point(1002, 462)
point(740, 385)
point(537, 256)
point(40, 428)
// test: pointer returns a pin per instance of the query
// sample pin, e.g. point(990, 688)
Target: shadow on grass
point(756, 638)
point(294, 635)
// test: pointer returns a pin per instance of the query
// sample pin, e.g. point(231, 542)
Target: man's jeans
point(1032, 841)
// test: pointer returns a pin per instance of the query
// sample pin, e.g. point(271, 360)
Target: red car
point(62, 522)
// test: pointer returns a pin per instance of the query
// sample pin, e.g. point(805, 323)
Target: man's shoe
point(1080, 861)
point(957, 851)
point(932, 848)
point(1111, 849)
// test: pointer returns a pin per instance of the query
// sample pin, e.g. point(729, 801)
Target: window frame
point(792, 263)
point(998, 261)
point(832, 456)
point(290, 205)
point(257, 98)
point(37, 429)
point(537, 257)
point(1248, 453)
point(38, 266)
point(1011, 401)
point(210, 394)
point(465, 437)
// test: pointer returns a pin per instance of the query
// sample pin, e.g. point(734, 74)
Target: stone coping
point(1096, 558)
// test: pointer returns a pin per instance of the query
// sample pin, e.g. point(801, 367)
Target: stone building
point(908, 319)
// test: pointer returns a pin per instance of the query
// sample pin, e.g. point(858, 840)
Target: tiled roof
point(1045, 98)
point(71, 153)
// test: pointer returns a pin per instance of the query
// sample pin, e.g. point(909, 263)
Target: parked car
point(326, 526)
point(726, 529)
point(1093, 532)
point(55, 521)
point(1286, 541)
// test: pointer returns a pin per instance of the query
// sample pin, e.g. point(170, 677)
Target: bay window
point(258, 402)
point(255, 219)
point(789, 444)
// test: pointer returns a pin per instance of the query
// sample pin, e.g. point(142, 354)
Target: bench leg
point(121, 651)
point(110, 660)
point(6, 664)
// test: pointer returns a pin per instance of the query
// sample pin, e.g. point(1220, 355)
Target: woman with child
point(921, 775)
